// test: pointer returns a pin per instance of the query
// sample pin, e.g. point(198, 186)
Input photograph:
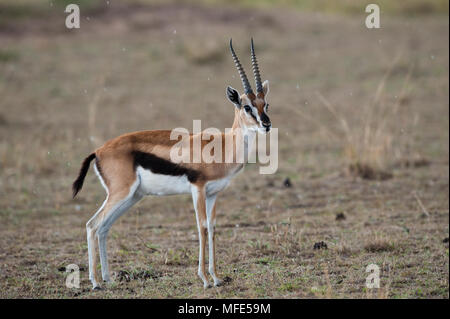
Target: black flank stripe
point(159, 165)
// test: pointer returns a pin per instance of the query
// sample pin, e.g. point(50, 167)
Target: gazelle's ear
point(233, 96)
point(266, 87)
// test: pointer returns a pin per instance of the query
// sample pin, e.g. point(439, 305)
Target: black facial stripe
point(162, 166)
point(264, 118)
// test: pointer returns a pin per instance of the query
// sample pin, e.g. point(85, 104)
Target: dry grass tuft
point(369, 145)
point(414, 162)
point(345, 250)
point(366, 171)
point(379, 244)
point(367, 138)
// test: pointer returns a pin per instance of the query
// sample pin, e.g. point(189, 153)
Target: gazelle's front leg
point(211, 224)
point(198, 197)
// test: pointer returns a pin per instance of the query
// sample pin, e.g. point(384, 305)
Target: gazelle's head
point(251, 108)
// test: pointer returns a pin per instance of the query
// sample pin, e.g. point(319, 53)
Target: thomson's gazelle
point(137, 164)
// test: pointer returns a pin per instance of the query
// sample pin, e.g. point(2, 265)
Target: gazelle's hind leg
point(117, 210)
point(120, 198)
point(92, 248)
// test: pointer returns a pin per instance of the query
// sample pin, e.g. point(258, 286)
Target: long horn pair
point(243, 76)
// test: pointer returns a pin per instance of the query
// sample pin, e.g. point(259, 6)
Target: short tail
point(78, 184)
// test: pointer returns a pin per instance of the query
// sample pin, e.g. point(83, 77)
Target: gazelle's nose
point(267, 126)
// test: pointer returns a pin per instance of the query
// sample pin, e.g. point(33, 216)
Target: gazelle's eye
point(247, 109)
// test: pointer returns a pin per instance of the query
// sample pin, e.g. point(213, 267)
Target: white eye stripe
point(251, 113)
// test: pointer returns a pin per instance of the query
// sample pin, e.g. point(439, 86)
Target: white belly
point(213, 187)
point(159, 184)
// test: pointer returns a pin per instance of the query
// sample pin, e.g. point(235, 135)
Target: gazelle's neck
point(243, 139)
point(236, 122)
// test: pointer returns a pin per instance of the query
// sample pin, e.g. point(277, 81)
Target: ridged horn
point(259, 88)
point(243, 76)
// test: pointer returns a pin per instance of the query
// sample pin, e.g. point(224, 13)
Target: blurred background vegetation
point(17, 9)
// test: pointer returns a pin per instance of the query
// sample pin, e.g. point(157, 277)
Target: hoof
point(206, 285)
point(97, 288)
point(218, 283)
